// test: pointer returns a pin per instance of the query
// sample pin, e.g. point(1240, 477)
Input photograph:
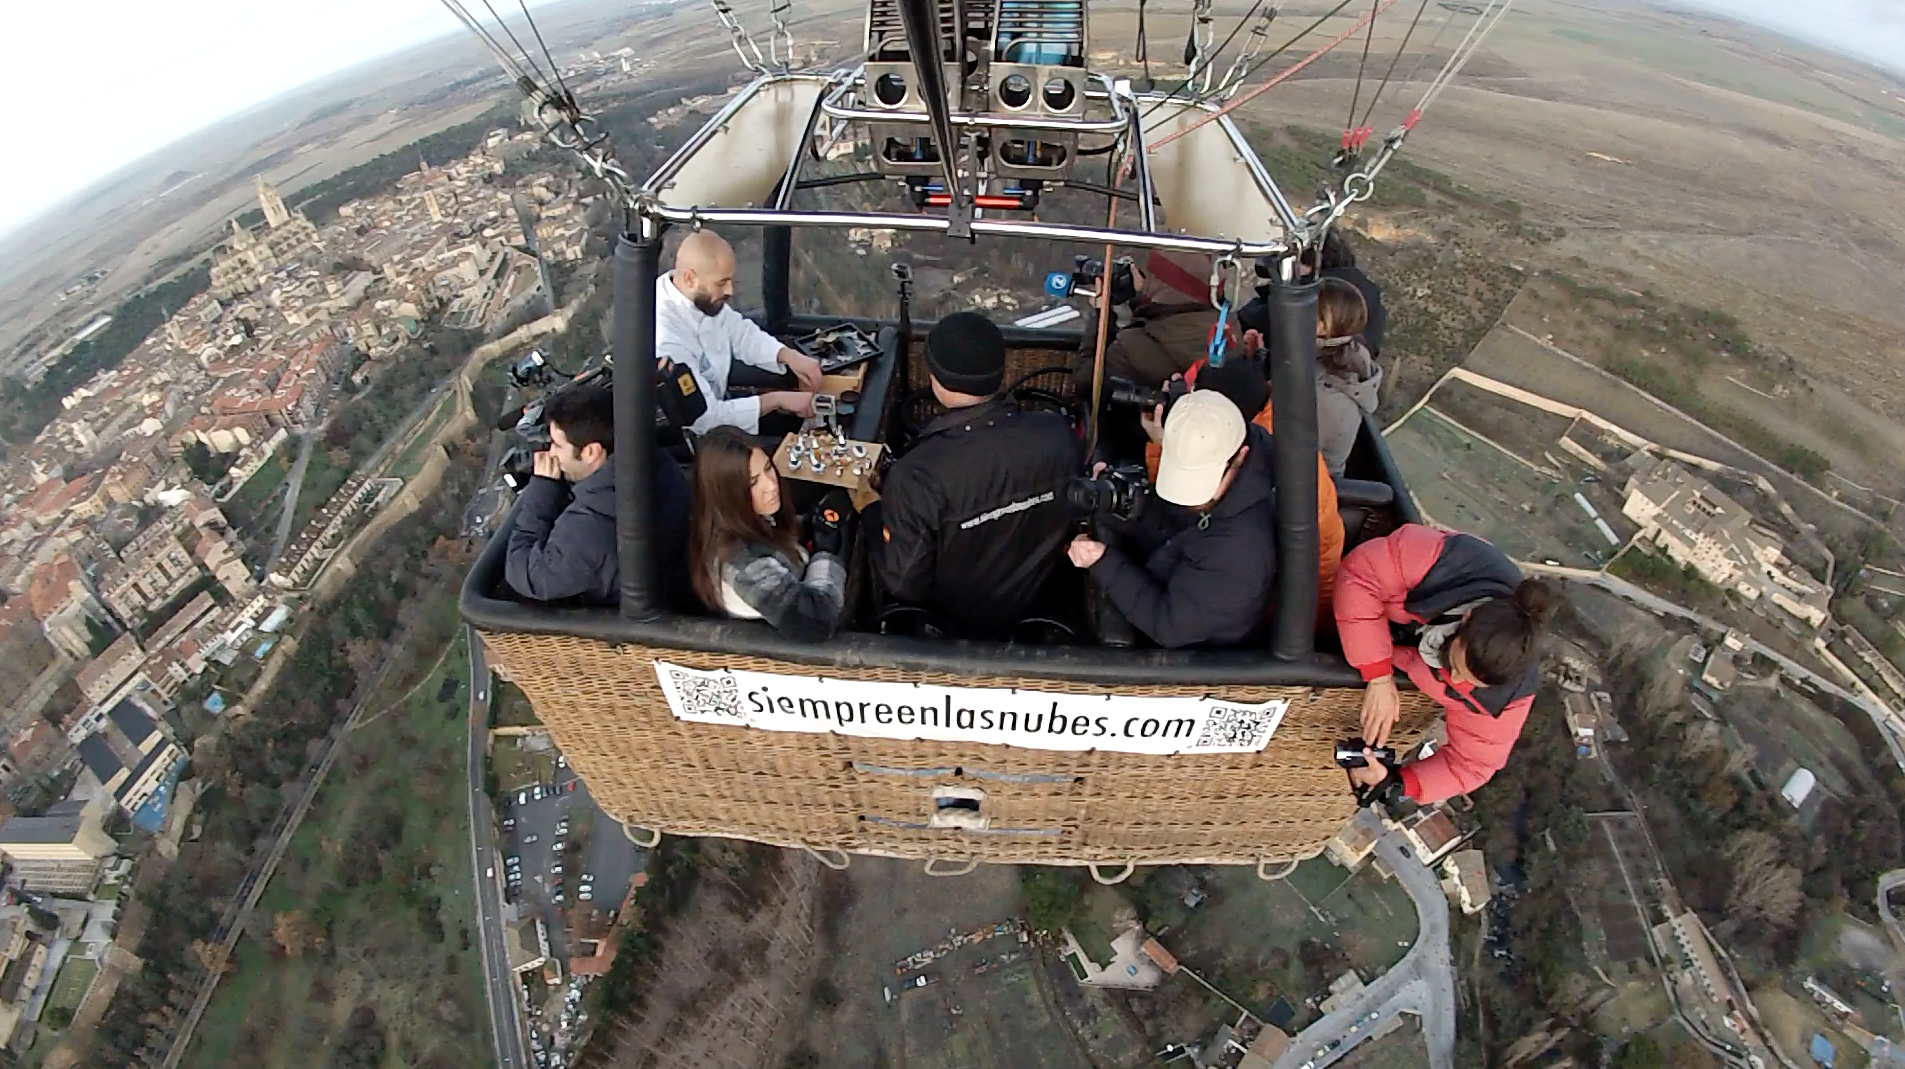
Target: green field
point(250, 506)
point(408, 463)
point(321, 479)
point(69, 988)
point(377, 964)
point(1246, 939)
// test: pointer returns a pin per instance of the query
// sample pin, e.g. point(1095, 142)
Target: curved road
point(1422, 983)
point(499, 985)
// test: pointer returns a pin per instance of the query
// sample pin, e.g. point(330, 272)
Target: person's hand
point(805, 368)
point(799, 404)
point(1084, 552)
point(1253, 342)
point(1153, 424)
point(546, 465)
point(1371, 774)
point(1381, 706)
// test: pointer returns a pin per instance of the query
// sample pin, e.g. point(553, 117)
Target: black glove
point(828, 524)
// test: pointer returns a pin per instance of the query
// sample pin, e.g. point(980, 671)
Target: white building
point(1697, 526)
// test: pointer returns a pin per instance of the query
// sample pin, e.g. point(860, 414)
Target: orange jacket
point(1329, 521)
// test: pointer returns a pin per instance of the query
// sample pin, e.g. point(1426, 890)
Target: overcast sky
point(111, 80)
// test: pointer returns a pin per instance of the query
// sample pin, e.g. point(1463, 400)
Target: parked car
point(522, 797)
point(562, 760)
point(536, 792)
point(508, 823)
point(556, 869)
point(530, 838)
point(585, 894)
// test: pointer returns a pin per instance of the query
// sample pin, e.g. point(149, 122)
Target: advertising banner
point(1036, 719)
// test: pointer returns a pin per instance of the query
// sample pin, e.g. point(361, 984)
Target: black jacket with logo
point(974, 515)
point(1203, 580)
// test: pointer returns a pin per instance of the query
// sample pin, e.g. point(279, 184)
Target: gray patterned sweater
point(802, 600)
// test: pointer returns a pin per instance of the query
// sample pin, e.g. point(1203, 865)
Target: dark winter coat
point(1162, 340)
point(974, 515)
point(1204, 580)
point(563, 545)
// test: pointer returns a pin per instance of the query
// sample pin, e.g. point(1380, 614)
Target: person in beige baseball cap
point(1207, 541)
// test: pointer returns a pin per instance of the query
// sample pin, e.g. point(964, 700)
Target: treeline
point(1742, 857)
point(260, 762)
point(26, 410)
point(1685, 396)
point(320, 200)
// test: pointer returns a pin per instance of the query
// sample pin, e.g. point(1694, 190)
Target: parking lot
point(612, 860)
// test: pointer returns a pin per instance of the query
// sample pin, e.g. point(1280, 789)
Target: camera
point(1125, 393)
point(1117, 491)
point(1349, 754)
point(517, 465)
point(1087, 274)
point(532, 372)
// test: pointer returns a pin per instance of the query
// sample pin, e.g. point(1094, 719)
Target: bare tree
point(1764, 886)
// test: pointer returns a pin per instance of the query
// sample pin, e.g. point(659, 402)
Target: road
point(1422, 983)
point(1659, 606)
point(506, 1025)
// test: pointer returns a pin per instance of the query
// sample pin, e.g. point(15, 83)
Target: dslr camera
point(518, 464)
point(1128, 394)
point(1117, 491)
point(1088, 274)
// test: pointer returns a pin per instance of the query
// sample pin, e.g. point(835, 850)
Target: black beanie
point(1241, 379)
point(966, 354)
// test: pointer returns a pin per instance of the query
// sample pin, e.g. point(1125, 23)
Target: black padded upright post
point(637, 262)
point(1293, 393)
point(777, 253)
point(920, 18)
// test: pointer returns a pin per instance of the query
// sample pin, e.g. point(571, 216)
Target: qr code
point(1236, 727)
point(704, 696)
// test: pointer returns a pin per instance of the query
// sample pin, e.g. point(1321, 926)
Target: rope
point(1363, 129)
point(554, 67)
point(1349, 124)
point(1448, 19)
point(1471, 44)
point(1142, 49)
point(1175, 90)
point(510, 66)
point(1239, 101)
point(531, 60)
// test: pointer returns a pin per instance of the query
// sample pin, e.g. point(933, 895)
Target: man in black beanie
point(973, 516)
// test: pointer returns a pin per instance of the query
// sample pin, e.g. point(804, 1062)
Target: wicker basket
point(855, 795)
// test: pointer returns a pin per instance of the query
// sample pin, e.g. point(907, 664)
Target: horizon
point(369, 31)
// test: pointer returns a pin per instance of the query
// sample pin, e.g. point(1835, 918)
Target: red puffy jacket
point(1410, 577)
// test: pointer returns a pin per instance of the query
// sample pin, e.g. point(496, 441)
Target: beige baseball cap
point(1202, 431)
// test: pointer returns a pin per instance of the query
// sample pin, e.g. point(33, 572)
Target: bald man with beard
point(695, 328)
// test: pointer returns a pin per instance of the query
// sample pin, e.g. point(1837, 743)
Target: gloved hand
point(829, 524)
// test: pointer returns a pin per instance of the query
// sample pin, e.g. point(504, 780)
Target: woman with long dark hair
point(1456, 616)
point(1348, 378)
point(744, 547)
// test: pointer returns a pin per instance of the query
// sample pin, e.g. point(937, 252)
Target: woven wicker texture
point(605, 709)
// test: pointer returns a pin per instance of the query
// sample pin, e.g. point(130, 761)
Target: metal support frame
point(637, 263)
point(920, 18)
point(1004, 228)
point(1293, 392)
point(1140, 167)
point(835, 106)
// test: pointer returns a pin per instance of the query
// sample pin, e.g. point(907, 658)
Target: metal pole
point(1293, 393)
point(637, 262)
point(921, 19)
point(777, 252)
